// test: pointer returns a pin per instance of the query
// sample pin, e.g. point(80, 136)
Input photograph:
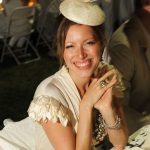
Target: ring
point(103, 83)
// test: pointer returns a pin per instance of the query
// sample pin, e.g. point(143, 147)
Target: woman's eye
point(69, 46)
point(91, 42)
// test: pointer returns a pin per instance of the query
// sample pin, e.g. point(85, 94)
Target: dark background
point(18, 84)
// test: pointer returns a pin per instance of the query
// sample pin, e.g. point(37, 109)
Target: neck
point(81, 84)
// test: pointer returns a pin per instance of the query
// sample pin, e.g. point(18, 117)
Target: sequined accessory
point(116, 125)
point(118, 88)
point(99, 131)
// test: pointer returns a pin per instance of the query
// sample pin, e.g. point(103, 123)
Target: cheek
point(97, 56)
point(67, 57)
point(96, 53)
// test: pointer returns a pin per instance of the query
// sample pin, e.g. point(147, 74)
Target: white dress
point(56, 98)
point(24, 135)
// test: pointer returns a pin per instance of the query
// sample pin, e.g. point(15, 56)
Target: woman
point(76, 106)
point(79, 48)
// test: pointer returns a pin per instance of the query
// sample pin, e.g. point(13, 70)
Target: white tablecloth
point(140, 140)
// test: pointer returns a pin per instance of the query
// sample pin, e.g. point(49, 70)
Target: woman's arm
point(118, 135)
point(63, 137)
point(84, 132)
point(93, 93)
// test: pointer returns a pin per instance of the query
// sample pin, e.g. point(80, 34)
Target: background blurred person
point(129, 51)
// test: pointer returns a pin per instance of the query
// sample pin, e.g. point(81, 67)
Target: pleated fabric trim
point(48, 108)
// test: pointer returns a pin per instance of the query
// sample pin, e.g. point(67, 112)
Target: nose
point(81, 52)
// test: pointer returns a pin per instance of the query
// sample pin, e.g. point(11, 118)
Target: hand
point(95, 92)
point(105, 103)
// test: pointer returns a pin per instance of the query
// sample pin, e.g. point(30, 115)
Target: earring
point(66, 66)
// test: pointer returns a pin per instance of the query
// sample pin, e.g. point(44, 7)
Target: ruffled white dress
point(56, 98)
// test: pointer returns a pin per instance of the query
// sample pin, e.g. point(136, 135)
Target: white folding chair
point(16, 41)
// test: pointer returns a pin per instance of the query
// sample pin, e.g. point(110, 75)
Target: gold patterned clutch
point(118, 88)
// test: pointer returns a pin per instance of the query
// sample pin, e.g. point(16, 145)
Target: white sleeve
point(48, 108)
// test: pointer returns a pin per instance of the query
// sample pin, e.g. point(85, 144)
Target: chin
point(85, 74)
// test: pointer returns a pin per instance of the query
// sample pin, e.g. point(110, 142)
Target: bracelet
point(116, 125)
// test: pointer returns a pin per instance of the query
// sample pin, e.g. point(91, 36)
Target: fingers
point(107, 95)
point(107, 80)
point(108, 75)
point(98, 87)
point(112, 82)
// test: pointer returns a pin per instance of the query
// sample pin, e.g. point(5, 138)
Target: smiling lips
point(84, 64)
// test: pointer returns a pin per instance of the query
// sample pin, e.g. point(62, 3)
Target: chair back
point(17, 42)
point(10, 5)
point(21, 21)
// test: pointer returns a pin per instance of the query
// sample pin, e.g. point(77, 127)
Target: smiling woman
point(70, 110)
point(82, 50)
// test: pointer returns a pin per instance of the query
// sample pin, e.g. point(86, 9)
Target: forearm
point(119, 136)
point(84, 132)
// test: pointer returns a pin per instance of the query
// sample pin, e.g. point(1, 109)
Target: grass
point(18, 84)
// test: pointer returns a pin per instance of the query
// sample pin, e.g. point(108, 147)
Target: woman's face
point(82, 50)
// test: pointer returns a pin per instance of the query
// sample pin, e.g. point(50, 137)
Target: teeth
point(83, 64)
